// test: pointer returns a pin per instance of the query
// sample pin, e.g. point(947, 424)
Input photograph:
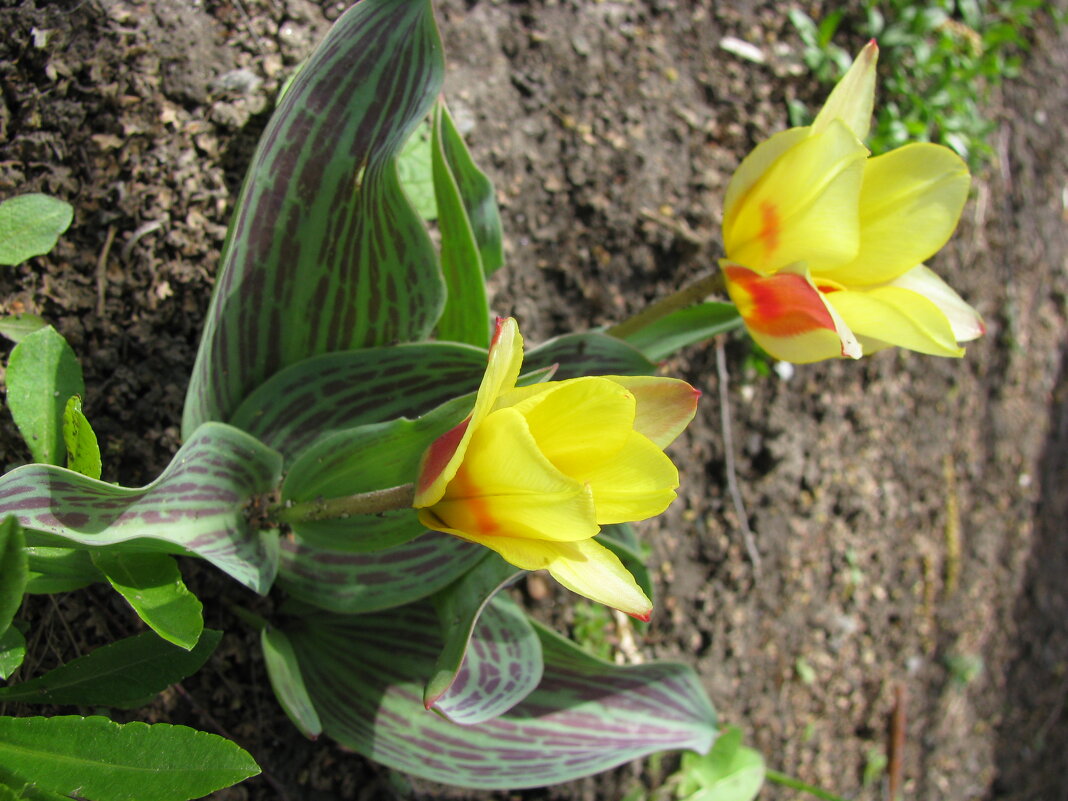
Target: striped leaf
point(685, 327)
point(196, 506)
point(351, 583)
point(459, 607)
point(477, 194)
point(366, 674)
point(324, 251)
point(589, 353)
point(319, 396)
point(465, 317)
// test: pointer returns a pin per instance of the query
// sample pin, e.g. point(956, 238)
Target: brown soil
point(862, 481)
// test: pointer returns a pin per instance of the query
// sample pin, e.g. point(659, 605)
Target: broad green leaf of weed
point(83, 452)
point(42, 374)
point(30, 226)
point(13, 570)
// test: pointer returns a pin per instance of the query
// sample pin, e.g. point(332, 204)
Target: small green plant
point(940, 61)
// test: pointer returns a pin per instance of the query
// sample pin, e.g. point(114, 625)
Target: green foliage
point(939, 61)
point(83, 452)
point(14, 570)
point(30, 225)
point(12, 650)
point(17, 327)
point(685, 327)
point(98, 760)
point(589, 627)
point(288, 683)
point(123, 674)
point(415, 170)
point(42, 374)
point(728, 772)
point(153, 586)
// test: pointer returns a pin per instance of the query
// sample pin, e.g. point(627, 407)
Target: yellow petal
point(586, 567)
point(664, 406)
point(637, 484)
point(442, 459)
point(788, 316)
point(910, 202)
point(804, 208)
point(757, 163)
point(507, 487)
point(853, 97)
point(965, 321)
point(898, 317)
point(581, 422)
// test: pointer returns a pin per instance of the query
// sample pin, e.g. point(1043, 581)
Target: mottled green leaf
point(196, 506)
point(30, 225)
point(17, 327)
point(153, 586)
point(465, 317)
point(12, 651)
point(14, 570)
point(288, 683)
point(685, 327)
point(415, 172)
point(59, 569)
point(119, 674)
point(97, 759)
point(339, 391)
point(83, 452)
point(41, 374)
point(477, 194)
point(325, 253)
point(366, 674)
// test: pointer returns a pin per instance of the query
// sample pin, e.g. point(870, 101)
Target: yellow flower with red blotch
point(534, 472)
point(825, 246)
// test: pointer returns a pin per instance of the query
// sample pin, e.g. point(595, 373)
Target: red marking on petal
point(770, 225)
point(643, 618)
point(781, 305)
point(464, 490)
point(439, 454)
point(498, 325)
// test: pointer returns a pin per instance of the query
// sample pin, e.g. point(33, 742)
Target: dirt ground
point(908, 513)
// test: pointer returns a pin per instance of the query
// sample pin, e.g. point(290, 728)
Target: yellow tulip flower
point(825, 246)
point(534, 472)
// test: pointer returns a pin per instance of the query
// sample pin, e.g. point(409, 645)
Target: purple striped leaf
point(366, 673)
point(465, 317)
point(589, 353)
point(322, 395)
point(195, 507)
point(325, 253)
point(502, 665)
point(509, 674)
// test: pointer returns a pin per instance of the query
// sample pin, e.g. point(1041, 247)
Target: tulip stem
point(362, 503)
point(687, 296)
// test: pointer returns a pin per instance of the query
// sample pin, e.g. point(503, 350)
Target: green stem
point(363, 503)
point(687, 296)
point(796, 784)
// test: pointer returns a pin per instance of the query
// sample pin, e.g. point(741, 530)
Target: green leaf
point(288, 683)
point(17, 327)
point(196, 507)
point(23, 788)
point(415, 172)
point(59, 569)
point(685, 327)
point(83, 453)
point(324, 252)
point(315, 398)
point(99, 760)
point(477, 194)
point(366, 675)
point(14, 570)
point(728, 772)
point(465, 317)
point(120, 674)
point(12, 651)
point(504, 665)
point(589, 353)
point(152, 584)
point(30, 226)
point(41, 374)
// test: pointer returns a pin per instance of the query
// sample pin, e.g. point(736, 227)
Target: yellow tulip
point(825, 246)
point(534, 472)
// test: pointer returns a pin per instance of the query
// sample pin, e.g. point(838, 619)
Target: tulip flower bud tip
point(643, 618)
